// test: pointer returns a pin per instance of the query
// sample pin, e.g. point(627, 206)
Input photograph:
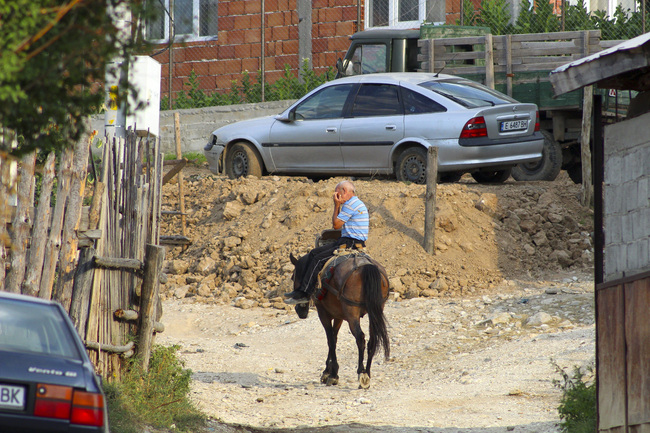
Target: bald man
point(350, 215)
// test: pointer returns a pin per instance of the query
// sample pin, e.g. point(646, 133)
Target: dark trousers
point(317, 258)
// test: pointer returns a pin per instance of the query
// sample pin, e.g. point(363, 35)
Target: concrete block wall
point(627, 200)
point(198, 123)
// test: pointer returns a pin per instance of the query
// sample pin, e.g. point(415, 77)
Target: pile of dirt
point(242, 232)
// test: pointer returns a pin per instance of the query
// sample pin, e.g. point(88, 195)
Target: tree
point(53, 56)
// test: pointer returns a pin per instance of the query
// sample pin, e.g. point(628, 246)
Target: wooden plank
point(637, 336)
point(509, 74)
point(489, 62)
point(524, 37)
point(41, 227)
point(175, 240)
point(585, 148)
point(463, 40)
point(610, 354)
point(21, 224)
point(54, 240)
point(69, 250)
point(118, 263)
point(81, 293)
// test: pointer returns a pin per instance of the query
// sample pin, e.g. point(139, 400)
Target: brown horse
point(356, 286)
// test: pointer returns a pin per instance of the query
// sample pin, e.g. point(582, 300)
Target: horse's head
point(299, 269)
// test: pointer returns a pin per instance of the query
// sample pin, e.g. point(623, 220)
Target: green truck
point(517, 65)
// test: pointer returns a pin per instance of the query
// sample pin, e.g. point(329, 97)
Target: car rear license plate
point(12, 397)
point(514, 125)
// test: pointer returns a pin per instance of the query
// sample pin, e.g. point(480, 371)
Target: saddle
point(341, 255)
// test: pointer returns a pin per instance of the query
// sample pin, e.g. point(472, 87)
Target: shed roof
point(623, 66)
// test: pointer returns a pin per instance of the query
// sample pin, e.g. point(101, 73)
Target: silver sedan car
point(383, 124)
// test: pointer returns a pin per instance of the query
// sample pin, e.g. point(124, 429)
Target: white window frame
point(393, 14)
point(185, 37)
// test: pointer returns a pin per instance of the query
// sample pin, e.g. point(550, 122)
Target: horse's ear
point(293, 259)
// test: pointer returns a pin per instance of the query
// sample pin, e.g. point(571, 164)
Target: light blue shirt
point(354, 215)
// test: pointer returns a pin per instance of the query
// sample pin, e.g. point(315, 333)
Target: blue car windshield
point(35, 328)
point(467, 93)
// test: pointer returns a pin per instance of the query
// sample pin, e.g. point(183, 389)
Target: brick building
point(219, 39)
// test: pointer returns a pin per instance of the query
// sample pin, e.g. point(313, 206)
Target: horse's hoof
point(364, 381)
point(324, 378)
point(332, 381)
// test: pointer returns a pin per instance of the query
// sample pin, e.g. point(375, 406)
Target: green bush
point(577, 408)
point(249, 91)
point(157, 397)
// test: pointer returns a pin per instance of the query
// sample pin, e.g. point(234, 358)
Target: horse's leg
point(355, 328)
point(332, 326)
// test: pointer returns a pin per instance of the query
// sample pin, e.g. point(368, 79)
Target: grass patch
point(196, 158)
point(157, 398)
point(577, 408)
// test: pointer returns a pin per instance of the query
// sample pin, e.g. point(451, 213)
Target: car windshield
point(35, 328)
point(468, 93)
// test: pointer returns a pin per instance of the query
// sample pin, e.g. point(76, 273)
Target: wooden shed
point(621, 162)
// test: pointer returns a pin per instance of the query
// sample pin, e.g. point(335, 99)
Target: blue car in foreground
point(47, 381)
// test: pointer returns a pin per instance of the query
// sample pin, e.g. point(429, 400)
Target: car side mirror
point(286, 117)
point(339, 66)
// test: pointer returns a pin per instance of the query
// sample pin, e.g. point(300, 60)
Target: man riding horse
point(350, 215)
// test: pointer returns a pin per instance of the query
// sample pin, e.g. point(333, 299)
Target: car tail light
point(536, 121)
point(62, 402)
point(87, 409)
point(474, 128)
point(53, 401)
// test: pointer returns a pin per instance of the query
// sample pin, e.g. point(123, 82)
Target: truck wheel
point(412, 166)
point(243, 160)
point(546, 168)
point(495, 176)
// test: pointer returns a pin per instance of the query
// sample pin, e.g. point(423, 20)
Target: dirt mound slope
point(242, 232)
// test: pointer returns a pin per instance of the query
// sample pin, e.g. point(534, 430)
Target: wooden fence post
point(179, 156)
point(430, 200)
point(83, 283)
point(41, 226)
point(585, 138)
point(148, 298)
point(22, 224)
point(69, 251)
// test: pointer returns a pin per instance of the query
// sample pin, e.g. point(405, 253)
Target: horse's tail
point(374, 302)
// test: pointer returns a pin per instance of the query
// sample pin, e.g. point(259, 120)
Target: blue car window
point(326, 104)
point(416, 103)
point(376, 100)
point(35, 328)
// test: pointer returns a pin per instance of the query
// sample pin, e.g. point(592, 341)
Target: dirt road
point(470, 364)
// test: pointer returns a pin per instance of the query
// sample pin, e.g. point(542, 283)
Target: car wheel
point(412, 166)
point(492, 176)
point(546, 168)
point(243, 160)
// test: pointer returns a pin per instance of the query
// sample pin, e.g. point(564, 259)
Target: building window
point(395, 13)
point(193, 20)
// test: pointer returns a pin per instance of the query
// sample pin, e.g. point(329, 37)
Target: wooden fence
point(101, 261)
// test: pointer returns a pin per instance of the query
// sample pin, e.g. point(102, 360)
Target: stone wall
point(198, 123)
point(627, 205)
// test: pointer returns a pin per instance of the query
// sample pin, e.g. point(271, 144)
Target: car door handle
point(330, 130)
point(391, 127)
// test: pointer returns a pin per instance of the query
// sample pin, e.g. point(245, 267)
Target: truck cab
point(380, 50)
